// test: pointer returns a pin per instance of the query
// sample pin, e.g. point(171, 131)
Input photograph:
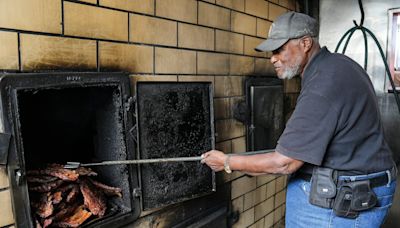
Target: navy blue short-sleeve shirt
point(336, 122)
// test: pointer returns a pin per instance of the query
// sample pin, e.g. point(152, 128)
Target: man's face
point(288, 59)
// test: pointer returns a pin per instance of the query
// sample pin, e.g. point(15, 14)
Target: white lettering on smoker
point(73, 78)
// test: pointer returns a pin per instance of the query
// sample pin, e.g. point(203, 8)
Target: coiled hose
point(364, 31)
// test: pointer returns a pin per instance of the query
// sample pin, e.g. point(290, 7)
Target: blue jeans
point(300, 213)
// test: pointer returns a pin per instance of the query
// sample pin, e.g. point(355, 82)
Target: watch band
point(226, 164)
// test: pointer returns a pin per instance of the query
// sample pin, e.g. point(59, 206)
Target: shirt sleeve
point(309, 130)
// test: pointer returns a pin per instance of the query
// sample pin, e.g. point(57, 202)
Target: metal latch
point(137, 192)
point(18, 177)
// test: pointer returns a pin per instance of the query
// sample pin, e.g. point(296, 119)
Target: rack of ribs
point(67, 198)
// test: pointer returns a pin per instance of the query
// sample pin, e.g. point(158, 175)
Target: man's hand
point(214, 159)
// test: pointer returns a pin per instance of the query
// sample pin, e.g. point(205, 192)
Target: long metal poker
point(75, 165)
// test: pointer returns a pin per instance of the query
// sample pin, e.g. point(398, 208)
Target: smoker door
point(174, 119)
point(33, 103)
point(265, 101)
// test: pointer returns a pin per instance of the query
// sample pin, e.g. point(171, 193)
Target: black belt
point(374, 182)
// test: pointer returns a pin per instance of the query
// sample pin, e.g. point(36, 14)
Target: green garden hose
point(364, 30)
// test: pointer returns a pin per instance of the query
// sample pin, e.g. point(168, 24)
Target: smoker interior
point(83, 124)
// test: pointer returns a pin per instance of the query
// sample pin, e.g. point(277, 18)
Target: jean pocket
point(385, 195)
point(384, 201)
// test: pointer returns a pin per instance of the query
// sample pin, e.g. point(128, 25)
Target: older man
point(344, 174)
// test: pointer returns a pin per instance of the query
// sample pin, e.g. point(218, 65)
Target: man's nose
point(273, 59)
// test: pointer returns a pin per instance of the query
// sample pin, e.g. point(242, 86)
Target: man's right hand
point(215, 159)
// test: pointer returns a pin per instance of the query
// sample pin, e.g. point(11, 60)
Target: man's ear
point(307, 43)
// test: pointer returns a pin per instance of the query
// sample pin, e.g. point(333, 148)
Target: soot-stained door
point(174, 119)
point(265, 101)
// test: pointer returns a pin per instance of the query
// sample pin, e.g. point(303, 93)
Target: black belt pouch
point(354, 197)
point(323, 187)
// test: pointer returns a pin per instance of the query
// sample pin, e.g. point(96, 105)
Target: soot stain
point(174, 121)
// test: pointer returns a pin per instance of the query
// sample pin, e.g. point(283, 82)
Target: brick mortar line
point(129, 28)
point(215, 39)
point(155, 5)
point(4, 189)
point(19, 52)
point(125, 42)
point(169, 19)
point(282, 6)
point(266, 216)
point(197, 16)
point(243, 12)
point(154, 60)
point(62, 18)
point(8, 226)
point(263, 215)
point(221, 6)
point(177, 34)
point(256, 181)
point(237, 137)
point(197, 64)
point(97, 56)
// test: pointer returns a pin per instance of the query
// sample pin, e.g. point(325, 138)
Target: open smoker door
point(60, 117)
point(174, 119)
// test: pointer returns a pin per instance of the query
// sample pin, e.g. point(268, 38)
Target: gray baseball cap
point(290, 25)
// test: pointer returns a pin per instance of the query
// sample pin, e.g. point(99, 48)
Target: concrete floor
point(393, 220)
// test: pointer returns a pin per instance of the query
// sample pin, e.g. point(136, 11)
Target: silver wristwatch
point(226, 164)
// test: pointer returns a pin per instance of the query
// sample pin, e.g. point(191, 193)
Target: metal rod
point(72, 165)
point(144, 161)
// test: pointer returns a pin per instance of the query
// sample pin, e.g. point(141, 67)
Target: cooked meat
point(37, 223)
point(65, 188)
point(46, 187)
point(67, 198)
point(79, 216)
point(64, 210)
point(82, 171)
point(47, 222)
point(44, 208)
point(41, 179)
point(73, 193)
point(108, 190)
point(57, 197)
point(56, 171)
point(94, 199)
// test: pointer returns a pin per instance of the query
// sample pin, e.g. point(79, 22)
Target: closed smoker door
point(265, 101)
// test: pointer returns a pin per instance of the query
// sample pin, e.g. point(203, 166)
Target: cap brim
point(271, 44)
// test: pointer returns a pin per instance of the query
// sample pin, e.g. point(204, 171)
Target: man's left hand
point(214, 159)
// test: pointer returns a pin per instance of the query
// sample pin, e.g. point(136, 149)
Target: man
point(333, 144)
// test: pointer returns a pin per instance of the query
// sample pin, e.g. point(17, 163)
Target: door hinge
point(129, 103)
